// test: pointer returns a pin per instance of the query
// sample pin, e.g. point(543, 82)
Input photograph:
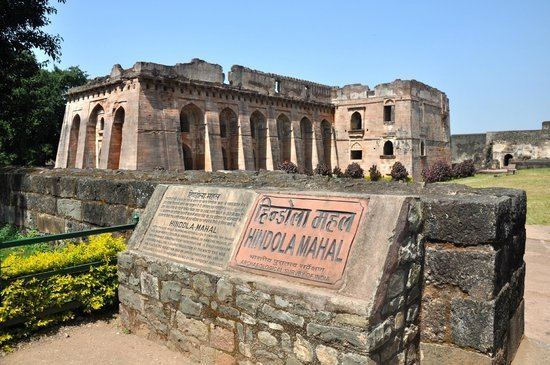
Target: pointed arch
point(229, 134)
point(284, 134)
point(356, 122)
point(73, 141)
point(192, 133)
point(306, 129)
point(326, 135)
point(115, 144)
point(388, 148)
point(94, 137)
point(258, 132)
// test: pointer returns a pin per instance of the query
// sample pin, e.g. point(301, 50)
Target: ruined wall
point(522, 145)
point(491, 148)
point(272, 84)
point(418, 129)
point(473, 270)
point(469, 147)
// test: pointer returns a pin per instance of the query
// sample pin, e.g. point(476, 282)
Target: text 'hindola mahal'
point(304, 237)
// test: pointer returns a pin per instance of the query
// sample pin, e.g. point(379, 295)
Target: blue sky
point(492, 58)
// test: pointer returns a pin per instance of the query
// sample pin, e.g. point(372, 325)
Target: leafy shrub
point(439, 171)
point(29, 297)
point(10, 232)
point(354, 171)
point(374, 173)
point(465, 168)
point(399, 172)
point(322, 169)
point(337, 171)
point(288, 167)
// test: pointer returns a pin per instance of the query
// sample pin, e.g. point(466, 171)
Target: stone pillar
point(474, 273)
point(296, 143)
point(213, 159)
point(62, 157)
point(246, 159)
point(315, 151)
point(105, 142)
point(271, 155)
point(82, 134)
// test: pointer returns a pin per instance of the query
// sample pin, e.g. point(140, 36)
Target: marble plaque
point(304, 237)
point(197, 225)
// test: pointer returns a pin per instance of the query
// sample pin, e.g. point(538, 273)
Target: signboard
point(197, 225)
point(304, 237)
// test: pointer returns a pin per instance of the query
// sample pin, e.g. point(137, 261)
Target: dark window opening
point(223, 129)
point(507, 158)
point(388, 148)
point(356, 122)
point(356, 155)
point(422, 149)
point(388, 113)
point(277, 86)
point(184, 123)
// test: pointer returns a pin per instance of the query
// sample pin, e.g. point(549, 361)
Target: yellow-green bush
point(30, 298)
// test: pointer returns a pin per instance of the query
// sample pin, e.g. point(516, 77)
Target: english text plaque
point(305, 237)
point(197, 225)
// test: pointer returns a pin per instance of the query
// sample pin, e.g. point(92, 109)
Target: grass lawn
point(536, 182)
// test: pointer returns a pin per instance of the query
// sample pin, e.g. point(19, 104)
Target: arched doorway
point(284, 134)
point(306, 130)
point(94, 137)
point(326, 135)
point(258, 132)
point(388, 148)
point(507, 158)
point(192, 131)
point(187, 156)
point(115, 145)
point(229, 134)
point(73, 141)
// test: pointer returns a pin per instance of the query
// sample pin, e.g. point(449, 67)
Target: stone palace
point(185, 117)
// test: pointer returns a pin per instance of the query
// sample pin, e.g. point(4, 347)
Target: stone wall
point(471, 248)
point(494, 149)
point(469, 147)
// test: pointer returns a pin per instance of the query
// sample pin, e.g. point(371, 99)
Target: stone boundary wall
point(472, 265)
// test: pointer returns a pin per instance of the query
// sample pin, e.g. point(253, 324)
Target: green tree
point(32, 98)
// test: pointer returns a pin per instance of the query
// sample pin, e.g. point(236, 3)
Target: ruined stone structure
point(453, 294)
point(498, 149)
point(184, 117)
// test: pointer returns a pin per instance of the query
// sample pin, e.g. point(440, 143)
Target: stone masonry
point(185, 117)
point(471, 248)
point(498, 149)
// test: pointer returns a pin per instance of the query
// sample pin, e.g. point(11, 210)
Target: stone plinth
point(285, 277)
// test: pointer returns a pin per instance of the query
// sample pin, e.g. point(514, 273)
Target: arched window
point(356, 152)
point(115, 145)
point(73, 141)
point(388, 148)
point(356, 121)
